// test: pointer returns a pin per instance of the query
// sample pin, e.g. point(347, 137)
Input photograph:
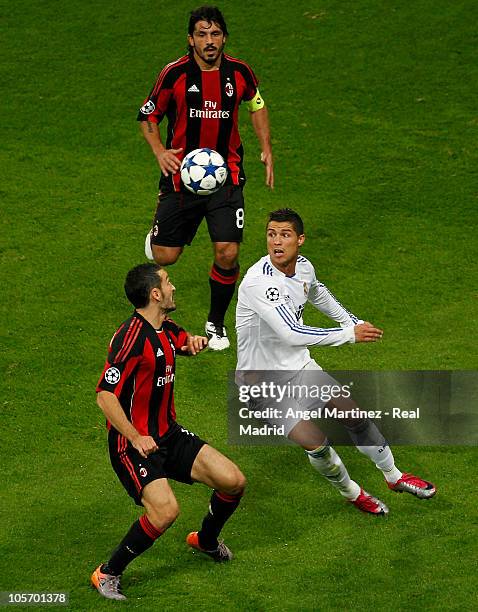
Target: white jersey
point(271, 334)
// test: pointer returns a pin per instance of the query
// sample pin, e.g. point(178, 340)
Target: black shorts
point(179, 215)
point(174, 459)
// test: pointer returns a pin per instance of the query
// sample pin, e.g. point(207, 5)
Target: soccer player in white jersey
point(271, 336)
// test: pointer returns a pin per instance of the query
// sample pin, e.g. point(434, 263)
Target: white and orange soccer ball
point(203, 171)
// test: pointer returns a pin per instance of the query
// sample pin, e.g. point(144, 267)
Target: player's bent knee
point(160, 504)
point(227, 262)
point(171, 515)
point(165, 260)
point(163, 516)
point(234, 482)
point(241, 483)
point(226, 255)
point(166, 256)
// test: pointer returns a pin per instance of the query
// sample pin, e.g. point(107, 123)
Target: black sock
point(221, 508)
point(223, 284)
point(140, 537)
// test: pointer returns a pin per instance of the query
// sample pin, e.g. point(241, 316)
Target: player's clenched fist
point(366, 332)
point(195, 344)
point(145, 445)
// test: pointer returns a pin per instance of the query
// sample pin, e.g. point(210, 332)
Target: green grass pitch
point(374, 119)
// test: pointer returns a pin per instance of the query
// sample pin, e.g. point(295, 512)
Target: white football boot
point(217, 337)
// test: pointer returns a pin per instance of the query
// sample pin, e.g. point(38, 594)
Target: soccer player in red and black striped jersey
point(146, 444)
point(200, 94)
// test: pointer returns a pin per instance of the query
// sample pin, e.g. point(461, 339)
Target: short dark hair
point(139, 282)
point(287, 214)
point(209, 14)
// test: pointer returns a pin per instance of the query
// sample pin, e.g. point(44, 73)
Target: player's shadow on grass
point(296, 486)
point(76, 540)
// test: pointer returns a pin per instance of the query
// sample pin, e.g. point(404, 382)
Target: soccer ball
point(203, 171)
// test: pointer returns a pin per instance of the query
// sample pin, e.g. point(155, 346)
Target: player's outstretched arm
point(320, 297)
point(265, 299)
point(194, 344)
point(109, 404)
point(167, 160)
point(260, 123)
point(366, 332)
point(292, 333)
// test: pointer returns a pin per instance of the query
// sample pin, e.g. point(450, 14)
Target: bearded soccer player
point(200, 94)
point(146, 444)
point(271, 336)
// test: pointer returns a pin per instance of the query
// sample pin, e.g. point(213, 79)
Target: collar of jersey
point(277, 271)
point(140, 316)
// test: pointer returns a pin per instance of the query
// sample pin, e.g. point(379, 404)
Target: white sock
point(326, 461)
point(148, 251)
point(382, 456)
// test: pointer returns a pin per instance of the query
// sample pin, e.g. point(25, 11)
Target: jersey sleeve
point(156, 104)
point(124, 355)
point(320, 297)
point(178, 335)
point(267, 300)
point(251, 83)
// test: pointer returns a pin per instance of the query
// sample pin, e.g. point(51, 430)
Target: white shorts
point(305, 392)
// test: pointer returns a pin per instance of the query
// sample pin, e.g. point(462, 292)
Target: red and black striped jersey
point(140, 371)
point(202, 110)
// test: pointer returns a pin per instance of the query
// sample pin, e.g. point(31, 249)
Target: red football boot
point(409, 483)
point(367, 503)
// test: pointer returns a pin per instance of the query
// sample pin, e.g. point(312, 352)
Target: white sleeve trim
point(283, 322)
